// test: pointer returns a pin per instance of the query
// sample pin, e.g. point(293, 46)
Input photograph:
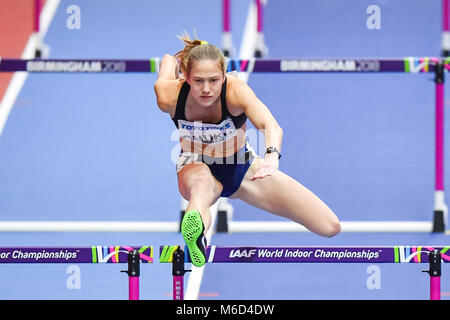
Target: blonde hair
point(195, 50)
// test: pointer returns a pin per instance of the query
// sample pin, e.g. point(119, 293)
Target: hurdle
point(227, 41)
point(133, 256)
point(412, 65)
point(178, 256)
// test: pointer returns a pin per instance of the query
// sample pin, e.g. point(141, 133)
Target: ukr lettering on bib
point(207, 133)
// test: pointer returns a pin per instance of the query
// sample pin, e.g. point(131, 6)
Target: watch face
point(273, 149)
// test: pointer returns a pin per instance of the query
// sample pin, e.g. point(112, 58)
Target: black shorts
point(229, 171)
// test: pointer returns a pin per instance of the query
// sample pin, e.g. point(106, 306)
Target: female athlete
point(210, 108)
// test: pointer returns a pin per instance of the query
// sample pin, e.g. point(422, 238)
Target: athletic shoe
point(193, 229)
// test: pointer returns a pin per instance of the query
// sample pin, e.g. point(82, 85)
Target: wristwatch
point(273, 149)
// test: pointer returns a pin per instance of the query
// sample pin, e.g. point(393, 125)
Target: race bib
point(207, 133)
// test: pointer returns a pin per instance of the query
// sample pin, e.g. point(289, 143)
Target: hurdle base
point(439, 221)
point(38, 53)
point(222, 221)
point(182, 213)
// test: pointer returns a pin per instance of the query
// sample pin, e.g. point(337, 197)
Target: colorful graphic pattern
point(166, 253)
point(119, 254)
point(416, 65)
point(405, 254)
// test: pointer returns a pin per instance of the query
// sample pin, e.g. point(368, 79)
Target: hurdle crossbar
point(233, 226)
point(345, 65)
point(292, 254)
point(93, 254)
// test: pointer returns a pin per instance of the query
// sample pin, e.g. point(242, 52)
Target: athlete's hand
point(267, 167)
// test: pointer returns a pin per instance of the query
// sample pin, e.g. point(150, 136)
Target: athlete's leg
point(201, 189)
point(198, 186)
point(284, 196)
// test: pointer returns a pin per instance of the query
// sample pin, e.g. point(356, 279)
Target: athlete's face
point(206, 79)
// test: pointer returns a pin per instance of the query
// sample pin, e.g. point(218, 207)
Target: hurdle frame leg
point(260, 47)
point(434, 260)
point(183, 206)
point(178, 272)
point(224, 214)
point(445, 45)
point(440, 208)
point(133, 273)
point(37, 4)
point(227, 41)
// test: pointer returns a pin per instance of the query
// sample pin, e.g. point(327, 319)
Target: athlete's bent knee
point(204, 183)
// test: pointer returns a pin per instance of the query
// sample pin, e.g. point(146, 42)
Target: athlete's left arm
point(261, 117)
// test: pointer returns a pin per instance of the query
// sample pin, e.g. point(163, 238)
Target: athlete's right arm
point(168, 78)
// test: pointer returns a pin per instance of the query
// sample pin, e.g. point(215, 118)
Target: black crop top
point(209, 133)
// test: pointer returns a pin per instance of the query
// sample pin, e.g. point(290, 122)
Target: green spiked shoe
point(192, 229)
